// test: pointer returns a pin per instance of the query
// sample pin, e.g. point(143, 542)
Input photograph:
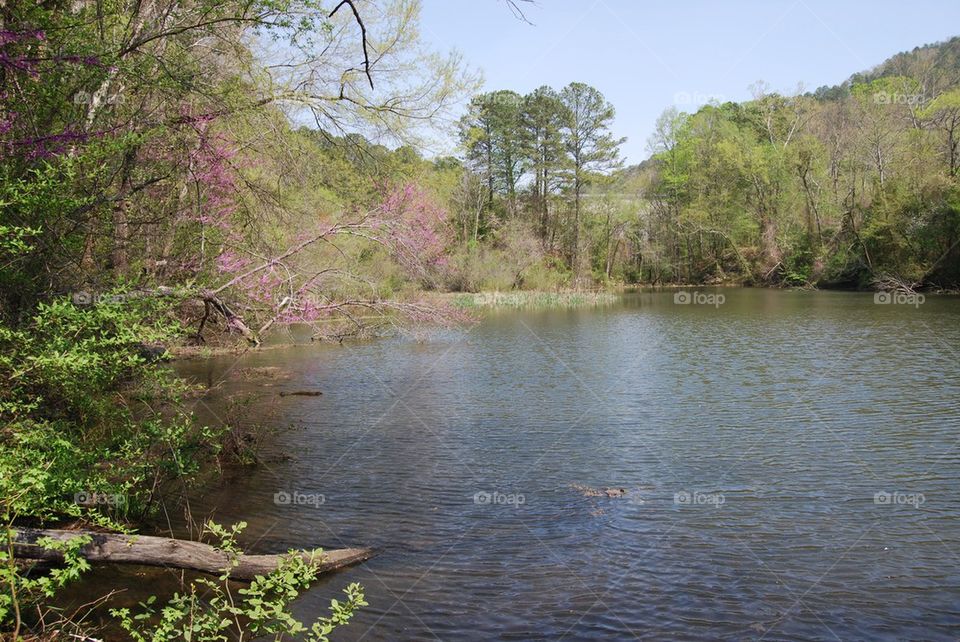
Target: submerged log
point(147, 550)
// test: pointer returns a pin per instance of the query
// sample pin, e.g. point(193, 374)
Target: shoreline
point(525, 299)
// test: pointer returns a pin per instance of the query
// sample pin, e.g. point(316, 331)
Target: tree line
point(534, 157)
point(850, 186)
point(855, 188)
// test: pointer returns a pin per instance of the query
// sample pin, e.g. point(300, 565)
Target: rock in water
point(612, 493)
point(152, 353)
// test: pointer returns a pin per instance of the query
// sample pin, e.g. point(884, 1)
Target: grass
point(532, 299)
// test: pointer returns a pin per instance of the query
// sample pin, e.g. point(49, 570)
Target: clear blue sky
point(647, 55)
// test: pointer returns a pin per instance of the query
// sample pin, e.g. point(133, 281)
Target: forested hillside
point(849, 186)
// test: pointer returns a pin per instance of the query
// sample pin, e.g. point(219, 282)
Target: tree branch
point(363, 35)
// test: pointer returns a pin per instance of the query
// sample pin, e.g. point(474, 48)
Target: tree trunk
point(119, 255)
point(163, 551)
point(952, 143)
point(769, 250)
point(544, 212)
point(575, 253)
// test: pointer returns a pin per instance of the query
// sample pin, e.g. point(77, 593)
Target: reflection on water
point(791, 461)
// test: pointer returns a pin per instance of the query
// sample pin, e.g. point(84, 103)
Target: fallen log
point(234, 320)
point(147, 550)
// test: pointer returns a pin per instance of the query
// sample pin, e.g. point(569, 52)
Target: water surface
point(753, 439)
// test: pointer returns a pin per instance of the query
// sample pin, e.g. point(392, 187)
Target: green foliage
point(59, 364)
point(562, 138)
point(512, 258)
point(210, 611)
point(21, 592)
point(83, 410)
point(792, 191)
point(798, 267)
point(91, 431)
point(14, 240)
point(31, 203)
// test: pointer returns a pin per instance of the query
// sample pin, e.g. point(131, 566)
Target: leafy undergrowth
point(213, 610)
point(94, 431)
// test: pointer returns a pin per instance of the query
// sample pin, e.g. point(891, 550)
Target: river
point(790, 459)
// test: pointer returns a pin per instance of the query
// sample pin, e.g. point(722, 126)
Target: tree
point(590, 146)
point(543, 119)
point(944, 111)
point(490, 134)
point(160, 124)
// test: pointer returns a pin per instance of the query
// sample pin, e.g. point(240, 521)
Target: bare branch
point(363, 35)
point(518, 11)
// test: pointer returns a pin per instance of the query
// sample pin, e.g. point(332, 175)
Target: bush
point(210, 610)
point(515, 260)
point(86, 412)
point(91, 428)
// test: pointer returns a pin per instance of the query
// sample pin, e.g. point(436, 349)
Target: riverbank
point(477, 302)
point(98, 438)
point(532, 299)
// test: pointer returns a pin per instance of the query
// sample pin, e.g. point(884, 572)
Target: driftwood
point(210, 300)
point(893, 283)
point(173, 553)
point(300, 393)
